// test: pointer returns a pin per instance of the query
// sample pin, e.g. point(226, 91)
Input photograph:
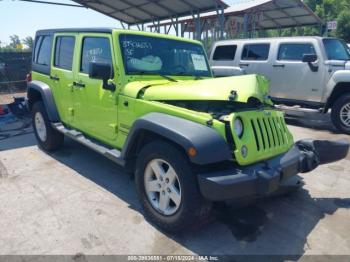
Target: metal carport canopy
point(275, 13)
point(135, 12)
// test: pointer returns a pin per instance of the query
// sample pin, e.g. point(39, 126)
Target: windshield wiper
point(167, 77)
point(196, 77)
point(153, 73)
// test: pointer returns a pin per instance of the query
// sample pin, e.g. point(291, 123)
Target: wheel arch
point(210, 146)
point(340, 89)
point(39, 91)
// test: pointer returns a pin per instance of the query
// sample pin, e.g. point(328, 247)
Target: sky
point(24, 19)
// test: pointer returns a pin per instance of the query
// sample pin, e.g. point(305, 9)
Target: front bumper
point(267, 177)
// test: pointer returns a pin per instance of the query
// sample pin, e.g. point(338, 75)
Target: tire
point(191, 209)
point(48, 138)
point(341, 114)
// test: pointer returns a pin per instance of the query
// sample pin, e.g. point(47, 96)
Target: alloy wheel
point(40, 126)
point(345, 114)
point(162, 187)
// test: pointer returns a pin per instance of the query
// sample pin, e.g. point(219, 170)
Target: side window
point(64, 51)
point(295, 52)
point(225, 53)
point(43, 51)
point(95, 49)
point(37, 44)
point(257, 52)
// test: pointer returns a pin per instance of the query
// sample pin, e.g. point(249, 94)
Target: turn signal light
point(192, 152)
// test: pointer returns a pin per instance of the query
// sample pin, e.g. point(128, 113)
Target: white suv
point(312, 72)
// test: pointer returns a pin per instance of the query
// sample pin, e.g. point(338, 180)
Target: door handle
point(77, 84)
point(243, 65)
point(55, 78)
point(279, 66)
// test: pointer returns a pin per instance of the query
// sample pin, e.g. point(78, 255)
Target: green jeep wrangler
point(149, 102)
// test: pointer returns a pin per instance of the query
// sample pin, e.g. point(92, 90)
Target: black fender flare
point(210, 146)
point(46, 97)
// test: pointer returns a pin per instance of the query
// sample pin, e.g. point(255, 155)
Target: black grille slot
point(267, 132)
point(276, 129)
point(261, 133)
point(273, 133)
point(280, 129)
point(255, 135)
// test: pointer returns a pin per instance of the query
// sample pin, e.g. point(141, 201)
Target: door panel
point(254, 58)
point(62, 75)
point(96, 108)
point(293, 79)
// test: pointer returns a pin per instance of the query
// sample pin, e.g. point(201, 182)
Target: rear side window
point(42, 51)
point(37, 44)
point(257, 52)
point(225, 53)
point(64, 51)
point(95, 49)
point(295, 52)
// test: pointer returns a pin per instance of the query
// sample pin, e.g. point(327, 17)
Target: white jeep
point(312, 72)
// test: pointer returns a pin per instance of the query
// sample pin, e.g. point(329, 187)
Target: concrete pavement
point(76, 201)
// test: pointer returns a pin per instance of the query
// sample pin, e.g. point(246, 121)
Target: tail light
point(29, 77)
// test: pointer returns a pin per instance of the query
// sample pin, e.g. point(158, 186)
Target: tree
point(343, 28)
point(14, 41)
point(28, 41)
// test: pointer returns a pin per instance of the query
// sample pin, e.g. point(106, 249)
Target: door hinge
point(114, 127)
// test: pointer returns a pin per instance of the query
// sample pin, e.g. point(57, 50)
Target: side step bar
point(112, 154)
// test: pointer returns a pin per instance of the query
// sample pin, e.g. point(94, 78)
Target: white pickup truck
point(312, 72)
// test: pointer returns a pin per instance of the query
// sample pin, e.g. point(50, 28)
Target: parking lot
point(77, 202)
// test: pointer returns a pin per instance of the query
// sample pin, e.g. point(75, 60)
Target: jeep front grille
point(270, 132)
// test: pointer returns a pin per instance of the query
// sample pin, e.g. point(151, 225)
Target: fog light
point(244, 151)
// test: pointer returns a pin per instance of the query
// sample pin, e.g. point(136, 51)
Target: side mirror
point(103, 71)
point(309, 58)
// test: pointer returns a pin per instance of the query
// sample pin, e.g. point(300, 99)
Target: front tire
point(167, 188)
point(341, 114)
point(48, 138)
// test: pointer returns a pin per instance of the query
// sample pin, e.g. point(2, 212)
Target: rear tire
point(189, 207)
point(48, 138)
point(341, 114)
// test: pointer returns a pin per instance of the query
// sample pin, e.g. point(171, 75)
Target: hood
point(219, 89)
point(338, 64)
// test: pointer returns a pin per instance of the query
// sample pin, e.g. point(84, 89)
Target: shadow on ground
point(321, 124)
point(275, 226)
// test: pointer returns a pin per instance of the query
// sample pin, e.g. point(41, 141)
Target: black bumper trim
point(265, 178)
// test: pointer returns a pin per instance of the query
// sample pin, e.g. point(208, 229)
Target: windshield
point(336, 49)
point(153, 55)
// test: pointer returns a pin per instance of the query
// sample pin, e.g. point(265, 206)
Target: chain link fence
point(14, 66)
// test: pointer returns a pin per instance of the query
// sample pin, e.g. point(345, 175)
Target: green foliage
point(16, 45)
point(343, 30)
point(14, 41)
point(28, 41)
point(327, 10)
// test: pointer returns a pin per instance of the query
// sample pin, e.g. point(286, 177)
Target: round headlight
point(238, 126)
